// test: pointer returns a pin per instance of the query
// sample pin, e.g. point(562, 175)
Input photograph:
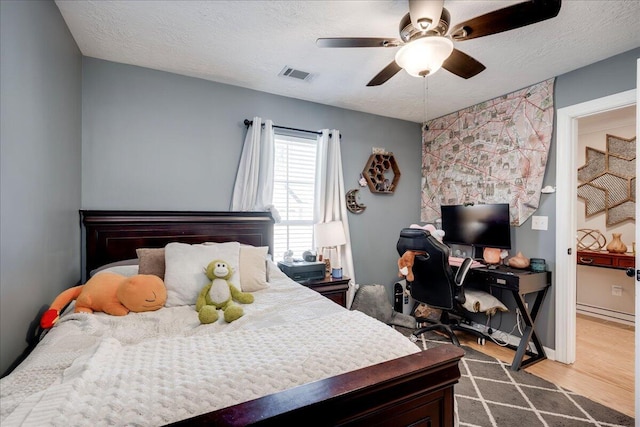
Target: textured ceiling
point(248, 43)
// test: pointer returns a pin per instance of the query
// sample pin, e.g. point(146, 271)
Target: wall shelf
point(382, 173)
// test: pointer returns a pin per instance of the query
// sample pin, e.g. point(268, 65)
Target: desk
point(519, 283)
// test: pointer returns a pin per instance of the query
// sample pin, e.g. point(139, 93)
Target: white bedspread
point(163, 366)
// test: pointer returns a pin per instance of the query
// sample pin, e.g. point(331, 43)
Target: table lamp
point(330, 235)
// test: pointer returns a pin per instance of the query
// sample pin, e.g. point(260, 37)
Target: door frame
point(566, 228)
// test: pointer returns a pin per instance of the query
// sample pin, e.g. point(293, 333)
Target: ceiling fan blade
point(461, 64)
point(425, 14)
point(509, 18)
point(357, 42)
point(384, 75)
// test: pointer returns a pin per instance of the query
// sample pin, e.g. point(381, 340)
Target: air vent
point(295, 74)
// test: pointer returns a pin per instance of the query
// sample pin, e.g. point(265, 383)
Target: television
point(477, 225)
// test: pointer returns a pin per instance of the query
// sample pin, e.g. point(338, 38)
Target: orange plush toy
point(405, 264)
point(110, 293)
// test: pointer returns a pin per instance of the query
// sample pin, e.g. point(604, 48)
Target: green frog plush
point(220, 294)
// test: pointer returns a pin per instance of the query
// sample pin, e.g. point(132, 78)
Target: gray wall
point(40, 172)
point(156, 140)
point(614, 75)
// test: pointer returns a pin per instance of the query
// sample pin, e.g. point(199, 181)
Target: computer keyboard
point(457, 261)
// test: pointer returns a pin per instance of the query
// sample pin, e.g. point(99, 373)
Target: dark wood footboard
point(414, 390)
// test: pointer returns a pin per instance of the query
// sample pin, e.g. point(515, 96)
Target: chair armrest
point(461, 274)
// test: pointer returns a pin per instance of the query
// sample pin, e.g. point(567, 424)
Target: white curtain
point(253, 190)
point(330, 203)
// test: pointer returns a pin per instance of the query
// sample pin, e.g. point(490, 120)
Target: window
point(294, 194)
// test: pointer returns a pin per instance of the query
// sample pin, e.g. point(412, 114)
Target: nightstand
point(334, 289)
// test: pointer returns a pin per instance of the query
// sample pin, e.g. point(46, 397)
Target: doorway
point(566, 179)
point(606, 144)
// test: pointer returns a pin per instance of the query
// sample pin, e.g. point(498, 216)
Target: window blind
point(293, 194)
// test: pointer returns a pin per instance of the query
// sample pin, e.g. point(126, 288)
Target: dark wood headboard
point(111, 236)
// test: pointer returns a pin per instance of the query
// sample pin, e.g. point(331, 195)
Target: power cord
point(495, 334)
point(503, 337)
point(498, 337)
point(519, 320)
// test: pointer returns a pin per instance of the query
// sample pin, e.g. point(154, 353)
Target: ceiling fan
point(426, 43)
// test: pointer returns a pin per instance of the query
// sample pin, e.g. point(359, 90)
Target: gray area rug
point(489, 394)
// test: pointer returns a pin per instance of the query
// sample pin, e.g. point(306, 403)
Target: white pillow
point(124, 270)
point(185, 265)
point(124, 263)
point(253, 268)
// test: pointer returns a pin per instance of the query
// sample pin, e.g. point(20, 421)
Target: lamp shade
point(425, 55)
point(329, 234)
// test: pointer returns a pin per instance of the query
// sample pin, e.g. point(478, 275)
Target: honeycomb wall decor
point(382, 173)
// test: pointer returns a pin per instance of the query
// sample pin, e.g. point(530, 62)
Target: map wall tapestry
point(492, 152)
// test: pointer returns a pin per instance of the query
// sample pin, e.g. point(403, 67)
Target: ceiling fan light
point(424, 56)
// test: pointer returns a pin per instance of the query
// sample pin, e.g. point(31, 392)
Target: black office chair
point(434, 282)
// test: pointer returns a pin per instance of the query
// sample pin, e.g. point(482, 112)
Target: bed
point(294, 358)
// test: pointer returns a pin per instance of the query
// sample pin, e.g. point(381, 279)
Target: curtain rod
point(248, 123)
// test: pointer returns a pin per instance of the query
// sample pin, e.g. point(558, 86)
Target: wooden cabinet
point(334, 289)
point(606, 259)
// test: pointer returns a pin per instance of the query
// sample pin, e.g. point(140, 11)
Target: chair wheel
point(481, 341)
point(413, 338)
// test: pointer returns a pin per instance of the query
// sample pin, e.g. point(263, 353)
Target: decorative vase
point(519, 261)
point(616, 245)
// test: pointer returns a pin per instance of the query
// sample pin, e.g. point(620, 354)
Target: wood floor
point(603, 370)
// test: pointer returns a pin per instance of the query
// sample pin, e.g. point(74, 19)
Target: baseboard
point(606, 314)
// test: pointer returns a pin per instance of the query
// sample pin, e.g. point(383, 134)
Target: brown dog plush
point(110, 293)
point(405, 264)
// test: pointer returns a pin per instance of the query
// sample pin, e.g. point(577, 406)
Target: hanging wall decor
point(492, 152)
point(352, 202)
point(382, 173)
point(609, 180)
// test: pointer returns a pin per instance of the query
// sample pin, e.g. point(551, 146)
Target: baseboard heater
point(606, 314)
